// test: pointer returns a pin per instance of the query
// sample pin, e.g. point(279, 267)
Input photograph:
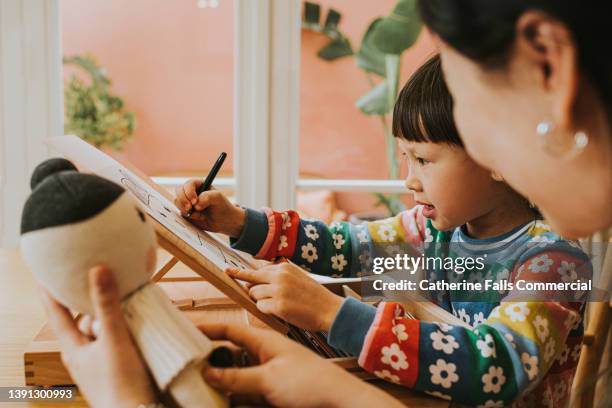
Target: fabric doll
point(73, 221)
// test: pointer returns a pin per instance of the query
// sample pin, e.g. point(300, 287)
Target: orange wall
point(173, 65)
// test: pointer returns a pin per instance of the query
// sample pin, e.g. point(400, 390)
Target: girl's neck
point(501, 219)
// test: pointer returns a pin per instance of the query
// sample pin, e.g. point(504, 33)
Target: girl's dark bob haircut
point(424, 108)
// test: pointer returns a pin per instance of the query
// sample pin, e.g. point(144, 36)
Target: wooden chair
point(594, 372)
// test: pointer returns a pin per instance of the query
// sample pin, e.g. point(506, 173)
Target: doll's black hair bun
point(62, 196)
point(49, 167)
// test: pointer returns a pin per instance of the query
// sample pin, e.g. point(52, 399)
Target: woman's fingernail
point(212, 375)
point(103, 279)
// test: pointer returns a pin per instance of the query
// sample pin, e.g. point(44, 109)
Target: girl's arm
point(338, 250)
point(519, 343)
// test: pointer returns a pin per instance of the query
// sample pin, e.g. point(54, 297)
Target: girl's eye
point(422, 161)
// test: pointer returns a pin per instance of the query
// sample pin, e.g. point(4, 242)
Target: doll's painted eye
point(141, 214)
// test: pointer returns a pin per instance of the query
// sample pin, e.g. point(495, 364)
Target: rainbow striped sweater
point(520, 352)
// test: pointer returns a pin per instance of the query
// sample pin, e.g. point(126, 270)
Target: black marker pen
point(207, 184)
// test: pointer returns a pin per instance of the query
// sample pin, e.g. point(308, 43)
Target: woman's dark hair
point(424, 108)
point(483, 30)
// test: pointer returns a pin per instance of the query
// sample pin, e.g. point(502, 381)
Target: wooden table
point(22, 316)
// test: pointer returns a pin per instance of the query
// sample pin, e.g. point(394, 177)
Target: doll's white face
point(119, 237)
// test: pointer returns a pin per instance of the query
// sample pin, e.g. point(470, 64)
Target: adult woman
point(532, 86)
point(533, 72)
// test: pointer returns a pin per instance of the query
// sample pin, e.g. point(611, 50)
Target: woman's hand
point(285, 290)
point(108, 370)
point(288, 374)
point(212, 210)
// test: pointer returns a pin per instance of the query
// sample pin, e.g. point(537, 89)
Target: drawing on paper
point(154, 203)
point(166, 213)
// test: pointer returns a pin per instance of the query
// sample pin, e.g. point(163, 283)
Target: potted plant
point(91, 111)
point(379, 57)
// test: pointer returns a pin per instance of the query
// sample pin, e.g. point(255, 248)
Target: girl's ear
point(497, 177)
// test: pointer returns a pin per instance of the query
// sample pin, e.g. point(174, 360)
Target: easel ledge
point(211, 273)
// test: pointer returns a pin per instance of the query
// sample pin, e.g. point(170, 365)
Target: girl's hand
point(285, 290)
point(212, 210)
point(289, 375)
point(108, 370)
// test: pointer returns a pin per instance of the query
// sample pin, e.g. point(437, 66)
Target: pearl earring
point(496, 176)
point(581, 140)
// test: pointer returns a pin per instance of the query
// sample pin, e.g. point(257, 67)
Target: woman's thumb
point(236, 380)
point(106, 301)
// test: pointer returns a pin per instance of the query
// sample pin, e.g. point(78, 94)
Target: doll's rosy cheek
point(150, 260)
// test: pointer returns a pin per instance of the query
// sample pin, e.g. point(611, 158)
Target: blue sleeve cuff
point(351, 325)
point(253, 234)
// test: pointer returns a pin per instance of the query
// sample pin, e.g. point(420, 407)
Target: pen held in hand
point(207, 184)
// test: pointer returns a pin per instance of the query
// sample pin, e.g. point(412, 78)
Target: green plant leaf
point(392, 73)
point(338, 48)
point(391, 202)
point(332, 21)
point(312, 15)
point(381, 98)
point(376, 101)
point(91, 111)
point(369, 58)
point(339, 45)
point(399, 30)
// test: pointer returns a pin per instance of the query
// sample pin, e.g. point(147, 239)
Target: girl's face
point(453, 188)
point(497, 112)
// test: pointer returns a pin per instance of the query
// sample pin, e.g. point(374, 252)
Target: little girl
point(517, 352)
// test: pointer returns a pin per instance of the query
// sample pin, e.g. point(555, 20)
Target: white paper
point(326, 279)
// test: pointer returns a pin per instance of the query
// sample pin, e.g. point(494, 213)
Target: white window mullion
point(367, 186)
point(267, 55)
point(30, 100)
point(284, 101)
point(54, 71)
point(221, 183)
point(251, 101)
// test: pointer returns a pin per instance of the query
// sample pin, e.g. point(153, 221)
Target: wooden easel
point(42, 359)
point(211, 273)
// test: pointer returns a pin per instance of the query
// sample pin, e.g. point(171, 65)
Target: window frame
point(266, 106)
point(267, 53)
point(31, 101)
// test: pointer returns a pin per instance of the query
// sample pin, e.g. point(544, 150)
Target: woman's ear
point(497, 177)
point(550, 44)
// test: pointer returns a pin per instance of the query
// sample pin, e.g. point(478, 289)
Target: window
point(265, 101)
point(172, 65)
